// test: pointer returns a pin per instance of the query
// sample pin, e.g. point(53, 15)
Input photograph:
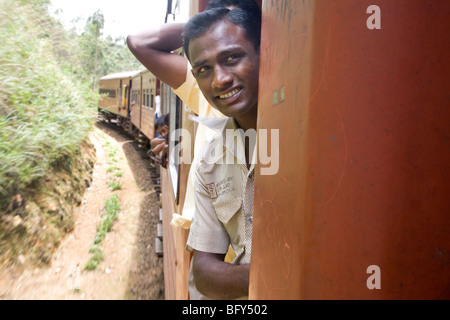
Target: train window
point(147, 105)
point(151, 99)
point(174, 156)
point(144, 102)
point(134, 96)
point(110, 93)
point(143, 98)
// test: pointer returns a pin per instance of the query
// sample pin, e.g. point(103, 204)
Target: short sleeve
point(207, 233)
point(189, 92)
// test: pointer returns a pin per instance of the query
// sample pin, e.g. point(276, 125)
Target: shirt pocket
point(226, 210)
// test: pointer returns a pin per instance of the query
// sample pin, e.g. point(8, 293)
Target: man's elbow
point(201, 284)
point(217, 279)
point(141, 45)
point(202, 277)
point(132, 42)
point(207, 291)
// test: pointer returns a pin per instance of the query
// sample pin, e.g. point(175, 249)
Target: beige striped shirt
point(223, 194)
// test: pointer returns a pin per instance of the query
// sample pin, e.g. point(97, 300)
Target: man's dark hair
point(202, 22)
point(247, 5)
point(163, 120)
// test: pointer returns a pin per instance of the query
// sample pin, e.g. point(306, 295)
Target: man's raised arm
point(153, 48)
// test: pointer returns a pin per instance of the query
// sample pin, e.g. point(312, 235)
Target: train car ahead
point(115, 89)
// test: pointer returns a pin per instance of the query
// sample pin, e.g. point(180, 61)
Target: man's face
point(226, 66)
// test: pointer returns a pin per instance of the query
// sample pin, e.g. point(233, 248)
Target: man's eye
point(232, 58)
point(202, 70)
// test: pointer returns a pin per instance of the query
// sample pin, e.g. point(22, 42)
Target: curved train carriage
point(357, 93)
point(130, 99)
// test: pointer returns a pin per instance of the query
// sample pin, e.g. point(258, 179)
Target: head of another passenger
point(223, 49)
point(162, 125)
point(247, 5)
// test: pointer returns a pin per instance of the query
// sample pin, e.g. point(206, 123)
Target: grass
point(45, 114)
point(111, 152)
point(111, 209)
point(115, 185)
point(112, 169)
point(110, 215)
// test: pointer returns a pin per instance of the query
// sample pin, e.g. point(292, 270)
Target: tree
point(89, 41)
point(100, 56)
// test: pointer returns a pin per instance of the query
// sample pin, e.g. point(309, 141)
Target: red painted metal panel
point(364, 152)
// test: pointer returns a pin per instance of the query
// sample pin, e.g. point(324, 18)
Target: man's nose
point(222, 78)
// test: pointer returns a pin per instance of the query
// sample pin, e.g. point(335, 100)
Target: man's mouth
point(229, 94)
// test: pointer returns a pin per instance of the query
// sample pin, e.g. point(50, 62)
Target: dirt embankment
point(35, 221)
point(53, 268)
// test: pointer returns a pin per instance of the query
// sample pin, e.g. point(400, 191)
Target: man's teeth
point(230, 94)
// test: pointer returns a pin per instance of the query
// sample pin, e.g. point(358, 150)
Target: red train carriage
point(357, 92)
point(359, 208)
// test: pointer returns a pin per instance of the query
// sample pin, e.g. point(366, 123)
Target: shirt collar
point(215, 124)
point(233, 145)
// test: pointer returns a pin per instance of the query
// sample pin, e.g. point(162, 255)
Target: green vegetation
point(113, 180)
point(47, 105)
point(114, 185)
point(110, 215)
point(44, 114)
point(100, 56)
point(110, 211)
point(47, 108)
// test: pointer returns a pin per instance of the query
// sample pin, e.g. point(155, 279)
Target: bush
point(45, 114)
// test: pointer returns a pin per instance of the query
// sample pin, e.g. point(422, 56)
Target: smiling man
point(225, 64)
point(223, 49)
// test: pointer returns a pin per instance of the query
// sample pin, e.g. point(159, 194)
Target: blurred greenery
point(48, 98)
